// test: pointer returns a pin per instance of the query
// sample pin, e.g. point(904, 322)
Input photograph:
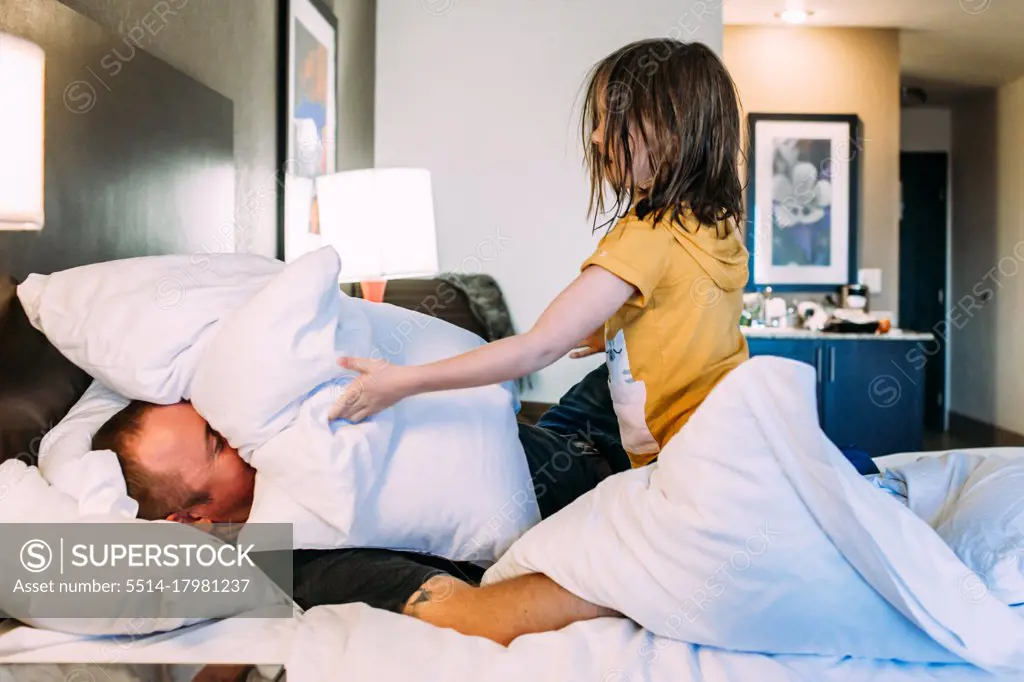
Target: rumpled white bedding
point(355, 642)
point(754, 533)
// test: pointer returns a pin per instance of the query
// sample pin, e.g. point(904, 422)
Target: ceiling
point(948, 43)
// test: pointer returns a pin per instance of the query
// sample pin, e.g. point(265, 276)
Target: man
point(179, 468)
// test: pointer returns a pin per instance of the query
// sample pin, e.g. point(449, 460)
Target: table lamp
point(381, 223)
point(22, 74)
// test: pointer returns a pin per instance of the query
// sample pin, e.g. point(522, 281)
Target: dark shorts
point(573, 447)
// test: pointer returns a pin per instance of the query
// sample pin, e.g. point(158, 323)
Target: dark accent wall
point(229, 46)
point(139, 157)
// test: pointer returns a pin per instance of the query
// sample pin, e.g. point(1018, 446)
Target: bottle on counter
point(775, 309)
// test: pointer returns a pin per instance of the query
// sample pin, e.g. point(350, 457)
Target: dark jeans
point(575, 444)
point(573, 447)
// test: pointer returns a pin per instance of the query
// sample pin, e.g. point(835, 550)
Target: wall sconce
point(22, 74)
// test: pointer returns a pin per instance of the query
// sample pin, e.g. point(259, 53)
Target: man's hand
point(592, 345)
point(377, 386)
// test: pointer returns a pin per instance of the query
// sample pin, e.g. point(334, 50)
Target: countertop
point(790, 333)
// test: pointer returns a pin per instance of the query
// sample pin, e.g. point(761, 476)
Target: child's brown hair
point(679, 102)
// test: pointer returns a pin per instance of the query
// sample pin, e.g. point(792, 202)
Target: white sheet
point(262, 641)
point(355, 642)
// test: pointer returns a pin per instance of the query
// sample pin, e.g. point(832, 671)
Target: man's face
point(176, 441)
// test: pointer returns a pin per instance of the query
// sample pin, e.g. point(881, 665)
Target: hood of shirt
point(724, 259)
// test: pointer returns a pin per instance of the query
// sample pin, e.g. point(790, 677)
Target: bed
point(774, 444)
point(93, 219)
point(369, 643)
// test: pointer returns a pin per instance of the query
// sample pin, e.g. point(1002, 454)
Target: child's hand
point(591, 345)
point(377, 386)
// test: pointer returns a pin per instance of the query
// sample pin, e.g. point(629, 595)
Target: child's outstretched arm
point(584, 305)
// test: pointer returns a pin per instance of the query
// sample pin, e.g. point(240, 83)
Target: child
point(664, 290)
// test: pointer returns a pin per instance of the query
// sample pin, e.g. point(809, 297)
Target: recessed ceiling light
point(794, 16)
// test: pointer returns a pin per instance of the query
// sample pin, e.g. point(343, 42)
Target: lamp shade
point(380, 221)
point(22, 73)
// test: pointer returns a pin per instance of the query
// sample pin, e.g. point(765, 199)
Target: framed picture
point(307, 117)
point(802, 200)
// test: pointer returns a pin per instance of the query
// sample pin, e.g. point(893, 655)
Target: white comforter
point(751, 534)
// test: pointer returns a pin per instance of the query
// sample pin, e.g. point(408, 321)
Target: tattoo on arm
point(437, 588)
point(421, 596)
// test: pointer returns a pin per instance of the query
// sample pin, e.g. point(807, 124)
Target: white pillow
point(271, 353)
point(139, 325)
point(443, 473)
point(66, 458)
point(986, 527)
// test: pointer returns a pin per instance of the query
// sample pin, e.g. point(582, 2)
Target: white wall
point(926, 129)
point(1008, 270)
point(483, 93)
point(975, 328)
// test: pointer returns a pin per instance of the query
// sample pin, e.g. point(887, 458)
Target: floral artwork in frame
point(802, 200)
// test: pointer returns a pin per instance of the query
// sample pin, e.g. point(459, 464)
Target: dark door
point(923, 177)
point(872, 395)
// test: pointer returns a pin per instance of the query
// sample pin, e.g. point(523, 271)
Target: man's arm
point(503, 611)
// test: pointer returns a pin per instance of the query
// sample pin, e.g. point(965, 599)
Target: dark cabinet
point(870, 391)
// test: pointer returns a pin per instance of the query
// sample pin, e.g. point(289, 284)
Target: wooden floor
point(934, 440)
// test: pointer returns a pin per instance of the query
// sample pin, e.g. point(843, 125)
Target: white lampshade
point(298, 212)
point(22, 73)
point(380, 221)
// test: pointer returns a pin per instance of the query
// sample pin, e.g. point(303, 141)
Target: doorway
point(924, 225)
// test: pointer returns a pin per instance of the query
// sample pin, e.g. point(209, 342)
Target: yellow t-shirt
point(679, 334)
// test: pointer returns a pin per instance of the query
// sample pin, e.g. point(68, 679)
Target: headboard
point(139, 157)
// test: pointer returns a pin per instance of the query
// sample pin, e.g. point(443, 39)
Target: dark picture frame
point(304, 152)
point(803, 200)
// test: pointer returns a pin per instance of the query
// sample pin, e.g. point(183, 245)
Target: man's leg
point(586, 413)
point(437, 591)
point(503, 611)
point(382, 578)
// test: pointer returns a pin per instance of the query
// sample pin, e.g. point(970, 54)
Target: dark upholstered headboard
point(434, 297)
point(139, 157)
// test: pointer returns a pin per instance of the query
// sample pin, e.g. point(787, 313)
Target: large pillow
point(37, 384)
point(442, 473)
point(986, 527)
point(139, 325)
point(271, 353)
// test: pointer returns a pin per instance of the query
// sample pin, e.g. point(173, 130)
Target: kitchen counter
point(871, 388)
point(794, 333)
